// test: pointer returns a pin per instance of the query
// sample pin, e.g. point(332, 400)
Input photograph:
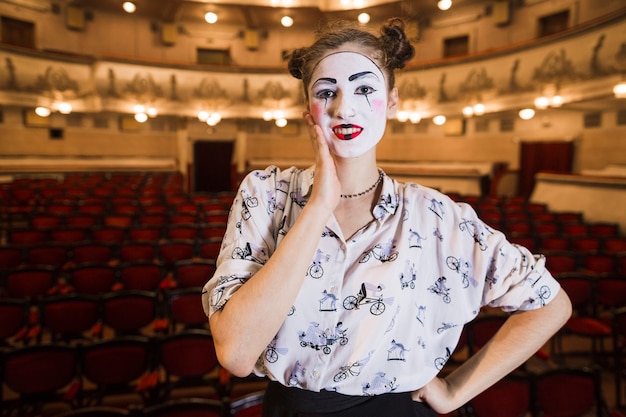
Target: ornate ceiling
point(263, 14)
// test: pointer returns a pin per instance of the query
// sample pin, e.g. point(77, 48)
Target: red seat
point(48, 255)
point(66, 317)
point(172, 251)
point(183, 309)
point(141, 275)
point(599, 263)
point(144, 233)
point(187, 359)
point(40, 374)
point(92, 278)
point(31, 282)
point(130, 311)
point(26, 236)
point(584, 322)
point(193, 273)
point(137, 251)
point(210, 248)
point(109, 234)
point(615, 244)
point(116, 366)
point(568, 392)
point(68, 235)
point(42, 221)
point(186, 231)
point(100, 253)
point(509, 397)
point(604, 229)
point(11, 257)
point(561, 262)
point(14, 319)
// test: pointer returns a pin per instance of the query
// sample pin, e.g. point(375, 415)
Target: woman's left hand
point(437, 395)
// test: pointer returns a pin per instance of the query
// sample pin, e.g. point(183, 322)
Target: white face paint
point(348, 99)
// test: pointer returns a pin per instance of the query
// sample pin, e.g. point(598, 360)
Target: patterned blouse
point(383, 310)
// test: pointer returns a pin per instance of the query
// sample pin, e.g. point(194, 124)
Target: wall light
point(415, 117)
point(444, 4)
point(286, 21)
point(439, 120)
point(620, 90)
point(214, 119)
point(363, 18)
point(64, 108)
point(526, 114)
point(542, 102)
point(129, 7)
point(210, 17)
point(141, 117)
point(42, 111)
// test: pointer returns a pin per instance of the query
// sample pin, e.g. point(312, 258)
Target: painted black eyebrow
point(330, 80)
point(361, 74)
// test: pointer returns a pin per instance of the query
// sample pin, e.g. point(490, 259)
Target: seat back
point(569, 392)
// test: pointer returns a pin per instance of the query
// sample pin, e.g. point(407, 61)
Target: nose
point(344, 106)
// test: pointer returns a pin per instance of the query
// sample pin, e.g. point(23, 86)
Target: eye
point(365, 90)
point(325, 94)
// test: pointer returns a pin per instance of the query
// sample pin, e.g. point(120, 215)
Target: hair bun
point(395, 43)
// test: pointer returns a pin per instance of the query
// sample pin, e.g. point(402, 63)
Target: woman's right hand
point(326, 188)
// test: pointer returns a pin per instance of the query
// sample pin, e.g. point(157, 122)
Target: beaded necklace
point(378, 180)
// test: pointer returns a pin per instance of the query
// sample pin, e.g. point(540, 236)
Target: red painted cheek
point(379, 106)
point(317, 110)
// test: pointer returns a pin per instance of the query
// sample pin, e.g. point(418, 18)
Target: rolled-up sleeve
point(247, 243)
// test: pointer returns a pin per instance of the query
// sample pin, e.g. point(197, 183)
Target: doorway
point(555, 157)
point(212, 166)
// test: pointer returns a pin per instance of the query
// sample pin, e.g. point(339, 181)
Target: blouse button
point(316, 374)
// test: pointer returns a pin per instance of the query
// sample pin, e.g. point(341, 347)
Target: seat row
point(134, 370)
point(153, 369)
point(115, 234)
point(34, 282)
point(598, 264)
point(71, 318)
point(57, 223)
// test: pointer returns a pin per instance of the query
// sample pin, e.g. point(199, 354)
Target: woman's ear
point(392, 105)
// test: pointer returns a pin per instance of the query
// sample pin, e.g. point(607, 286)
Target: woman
point(348, 289)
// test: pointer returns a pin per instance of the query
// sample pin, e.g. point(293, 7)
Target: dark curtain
point(212, 166)
point(556, 157)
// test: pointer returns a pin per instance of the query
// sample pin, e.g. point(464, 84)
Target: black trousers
point(281, 401)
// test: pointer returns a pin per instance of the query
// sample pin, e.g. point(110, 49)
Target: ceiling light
point(468, 111)
point(415, 117)
point(542, 102)
point(129, 7)
point(152, 112)
point(64, 108)
point(42, 111)
point(363, 18)
point(439, 120)
point(444, 4)
point(556, 101)
point(526, 114)
point(402, 116)
point(214, 119)
point(620, 90)
point(286, 21)
point(210, 17)
point(141, 117)
point(203, 115)
point(479, 109)
point(281, 122)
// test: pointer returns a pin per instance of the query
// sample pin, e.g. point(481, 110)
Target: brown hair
point(391, 50)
